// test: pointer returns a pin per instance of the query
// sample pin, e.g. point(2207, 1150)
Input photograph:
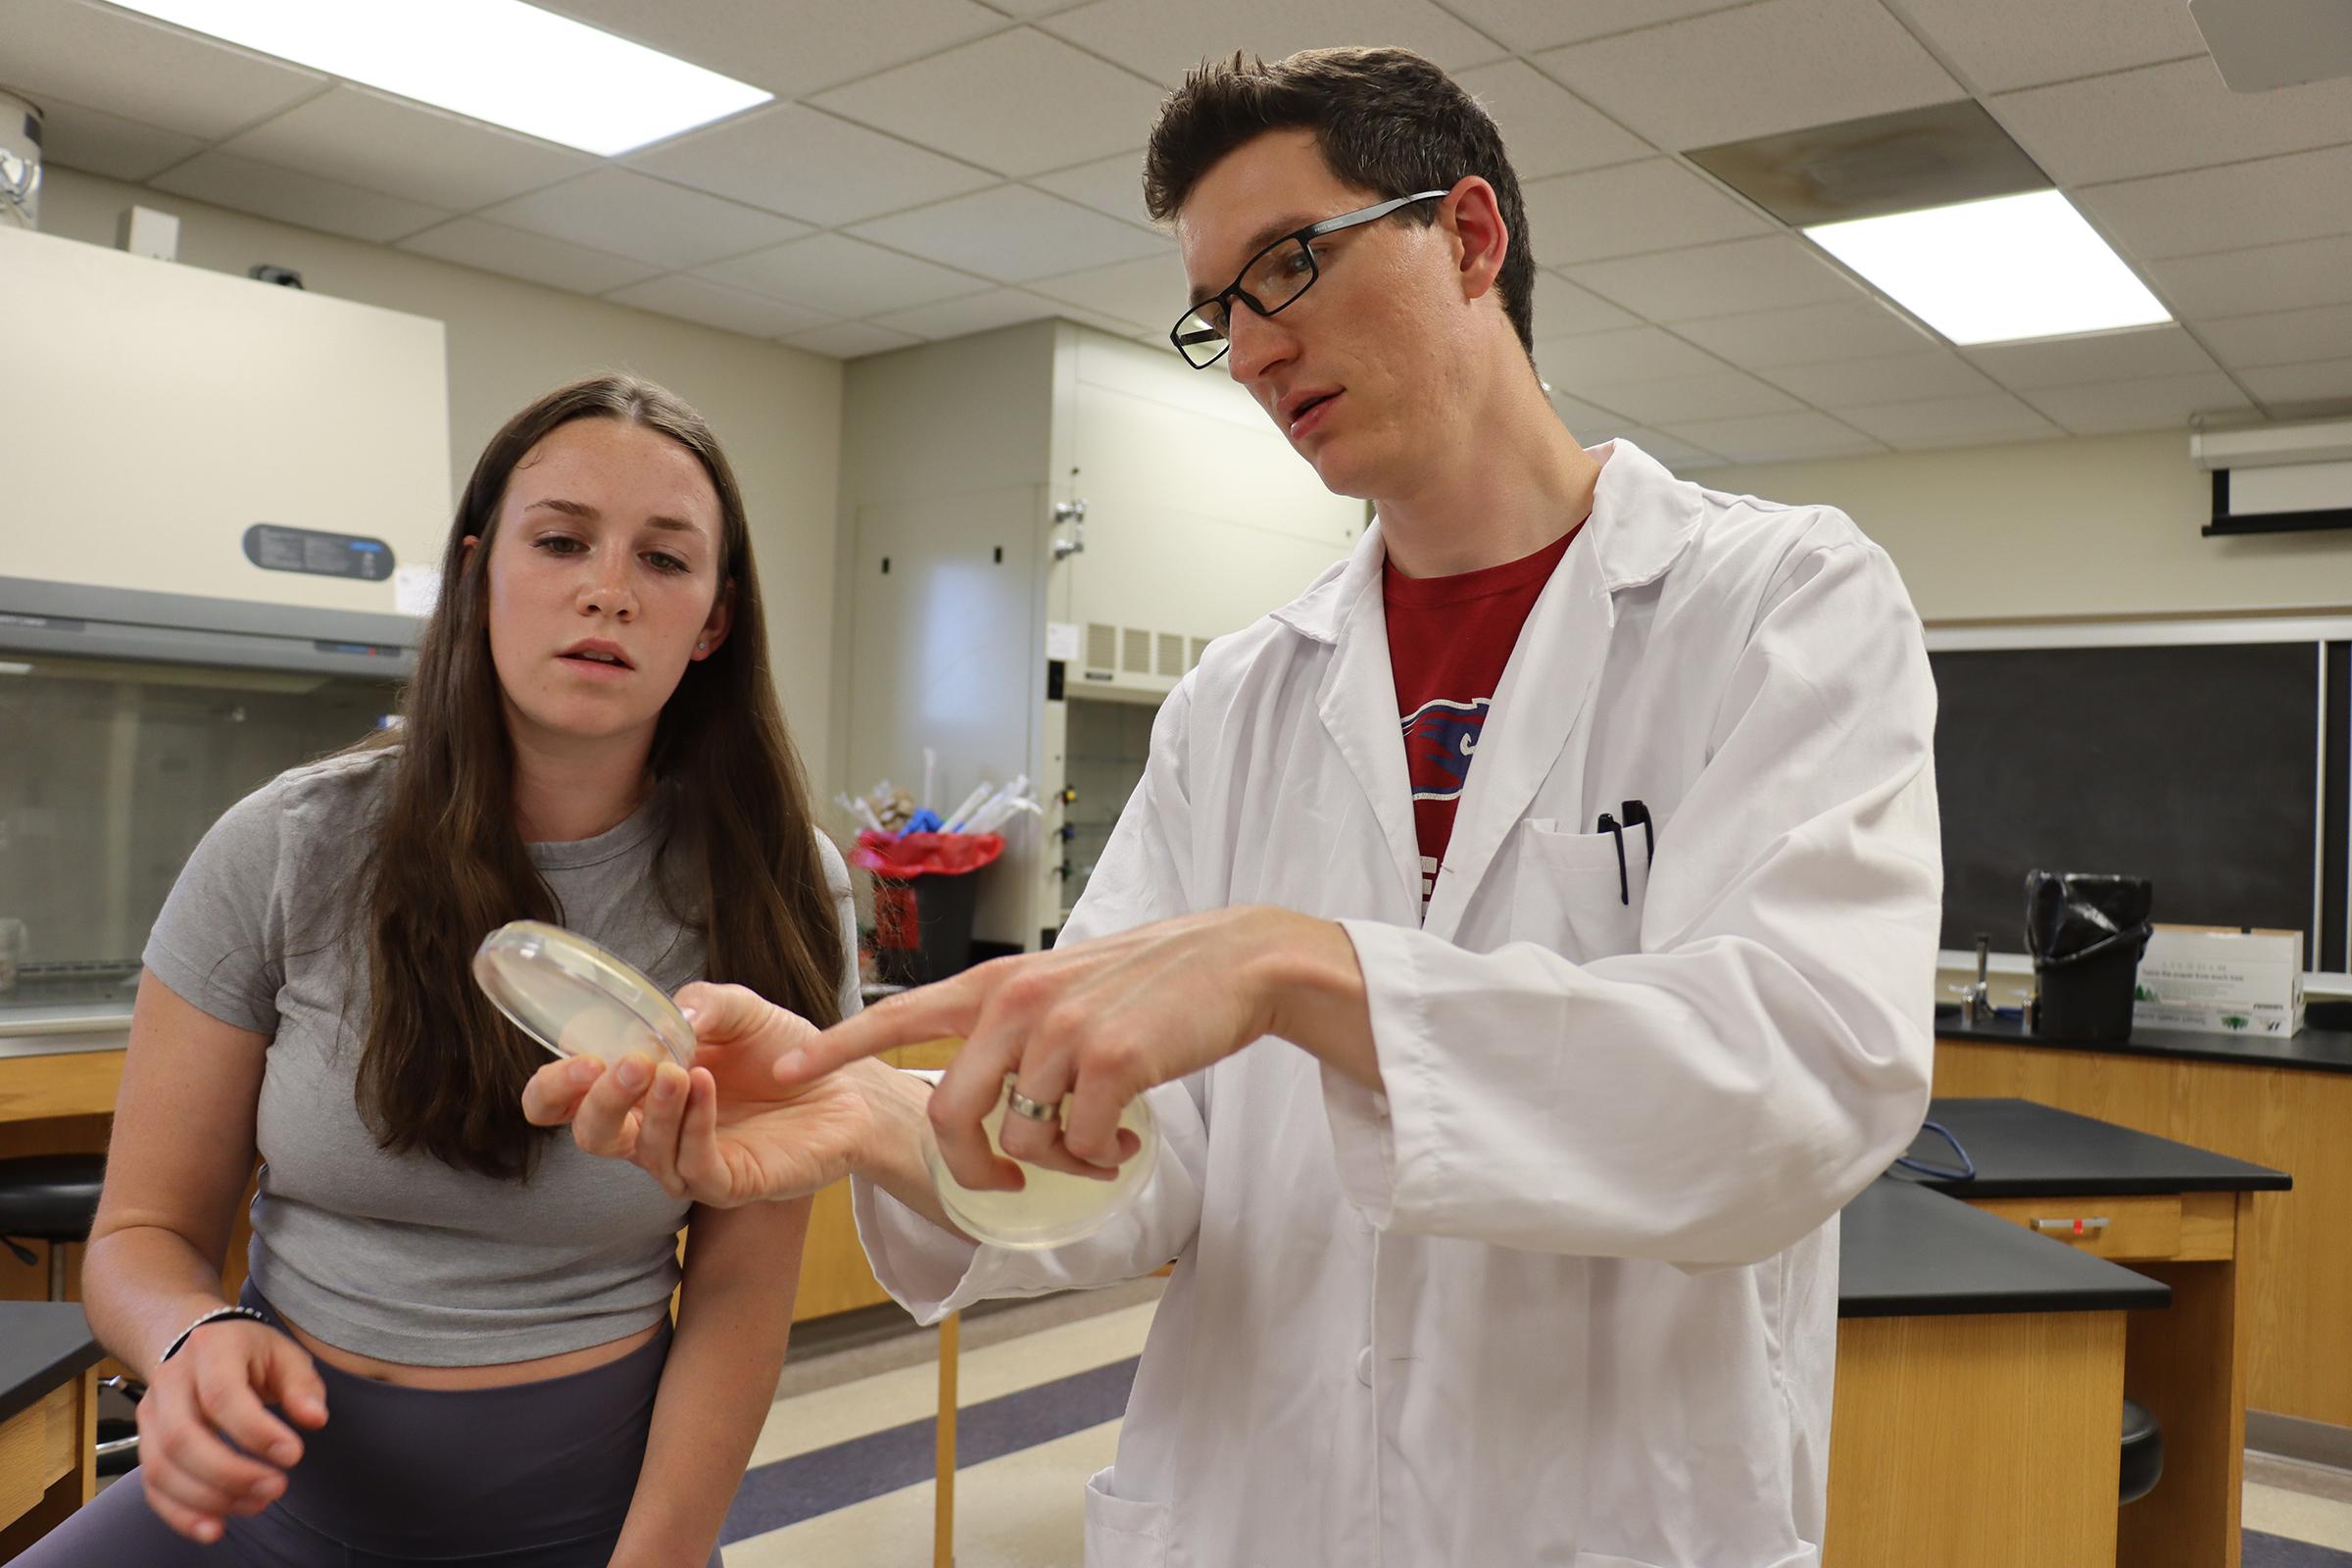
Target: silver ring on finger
point(1020, 1104)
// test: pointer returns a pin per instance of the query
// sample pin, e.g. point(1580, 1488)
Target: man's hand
point(727, 1132)
point(1093, 1025)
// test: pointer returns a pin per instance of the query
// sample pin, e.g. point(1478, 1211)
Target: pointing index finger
point(910, 1018)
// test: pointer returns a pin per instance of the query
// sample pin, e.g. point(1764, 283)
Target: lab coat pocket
point(1121, 1533)
point(1580, 894)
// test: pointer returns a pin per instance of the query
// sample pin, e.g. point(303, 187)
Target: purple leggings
point(535, 1475)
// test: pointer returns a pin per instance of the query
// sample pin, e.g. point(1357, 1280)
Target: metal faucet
point(1976, 1001)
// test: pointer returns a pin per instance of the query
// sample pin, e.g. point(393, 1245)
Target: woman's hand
point(726, 1133)
point(209, 1396)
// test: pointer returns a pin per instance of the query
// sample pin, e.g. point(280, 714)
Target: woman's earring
point(702, 648)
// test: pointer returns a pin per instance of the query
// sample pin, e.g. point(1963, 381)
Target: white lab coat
point(1566, 1294)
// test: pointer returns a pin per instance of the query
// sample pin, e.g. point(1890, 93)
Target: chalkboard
point(2195, 766)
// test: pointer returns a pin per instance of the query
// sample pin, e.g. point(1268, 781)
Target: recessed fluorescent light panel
point(502, 61)
point(1993, 271)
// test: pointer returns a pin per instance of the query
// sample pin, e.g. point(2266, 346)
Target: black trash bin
point(2087, 932)
point(926, 891)
point(923, 926)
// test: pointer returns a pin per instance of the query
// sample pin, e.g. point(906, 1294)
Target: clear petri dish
point(577, 1000)
point(1052, 1208)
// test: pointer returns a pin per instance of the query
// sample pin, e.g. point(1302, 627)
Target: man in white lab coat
point(1525, 938)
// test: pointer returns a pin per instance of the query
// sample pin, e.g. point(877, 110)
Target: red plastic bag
point(926, 853)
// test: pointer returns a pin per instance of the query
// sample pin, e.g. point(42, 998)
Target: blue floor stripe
point(789, 1491)
point(2277, 1551)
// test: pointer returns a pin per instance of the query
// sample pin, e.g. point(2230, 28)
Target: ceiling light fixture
point(1995, 270)
point(501, 61)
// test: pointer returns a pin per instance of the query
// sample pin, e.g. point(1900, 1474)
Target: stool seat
point(2143, 1452)
point(50, 1197)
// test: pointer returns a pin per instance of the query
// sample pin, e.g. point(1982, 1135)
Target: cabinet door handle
point(2083, 1225)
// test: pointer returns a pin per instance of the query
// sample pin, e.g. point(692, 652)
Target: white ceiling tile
point(2298, 196)
point(1718, 395)
point(1982, 417)
point(1530, 24)
point(1163, 41)
point(1149, 293)
point(1149, 336)
point(1546, 129)
point(637, 215)
point(731, 310)
point(2273, 277)
point(2001, 44)
point(850, 340)
point(2281, 337)
point(2151, 403)
point(974, 313)
point(533, 258)
point(796, 49)
point(1780, 437)
point(102, 58)
point(2141, 351)
point(2160, 118)
point(1854, 329)
point(378, 142)
point(841, 276)
point(1771, 272)
point(802, 164)
point(1020, 102)
point(1014, 234)
point(1883, 378)
point(2317, 381)
point(1652, 206)
point(1671, 450)
point(1589, 422)
point(1562, 309)
point(295, 198)
point(1035, 8)
point(1114, 185)
point(1629, 354)
point(1779, 64)
point(99, 143)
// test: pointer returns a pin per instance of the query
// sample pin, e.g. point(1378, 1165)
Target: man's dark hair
point(1388, 121)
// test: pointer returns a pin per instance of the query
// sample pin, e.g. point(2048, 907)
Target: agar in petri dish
point(577, 1000)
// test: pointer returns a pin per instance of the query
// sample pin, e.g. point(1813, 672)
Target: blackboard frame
point(2329, 947)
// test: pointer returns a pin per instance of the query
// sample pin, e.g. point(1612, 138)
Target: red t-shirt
point(1448, 640)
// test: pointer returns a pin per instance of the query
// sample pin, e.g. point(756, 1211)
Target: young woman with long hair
point(456, 1340)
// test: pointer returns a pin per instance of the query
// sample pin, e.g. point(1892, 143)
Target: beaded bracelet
point(215, 1315)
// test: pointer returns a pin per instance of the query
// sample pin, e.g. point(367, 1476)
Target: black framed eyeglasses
point(1271, 283)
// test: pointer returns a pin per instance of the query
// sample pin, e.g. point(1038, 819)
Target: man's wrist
point(1309, 990)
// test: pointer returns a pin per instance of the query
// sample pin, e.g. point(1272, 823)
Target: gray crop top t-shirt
point(400, 1256)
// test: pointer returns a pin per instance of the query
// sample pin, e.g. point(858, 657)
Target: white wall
point(2102, 525)
point(776, 409)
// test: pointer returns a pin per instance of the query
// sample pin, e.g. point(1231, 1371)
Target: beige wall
point(2103, 525)
point(777, 410)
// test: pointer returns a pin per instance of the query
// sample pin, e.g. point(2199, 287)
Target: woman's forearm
point(140, 1285)
point(743, 1268)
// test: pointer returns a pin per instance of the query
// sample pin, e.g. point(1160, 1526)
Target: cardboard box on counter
point(2223, 981)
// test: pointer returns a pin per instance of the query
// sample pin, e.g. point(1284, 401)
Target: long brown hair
point(442, 1070)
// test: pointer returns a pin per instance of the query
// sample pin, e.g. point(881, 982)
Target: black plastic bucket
point(2087, 994)
point(2087, 932)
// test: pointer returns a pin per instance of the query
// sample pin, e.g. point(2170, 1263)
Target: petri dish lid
point(577, 1000)
point(1052, 1209)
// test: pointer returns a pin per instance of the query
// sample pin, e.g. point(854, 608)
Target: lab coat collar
point(1642, 520)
